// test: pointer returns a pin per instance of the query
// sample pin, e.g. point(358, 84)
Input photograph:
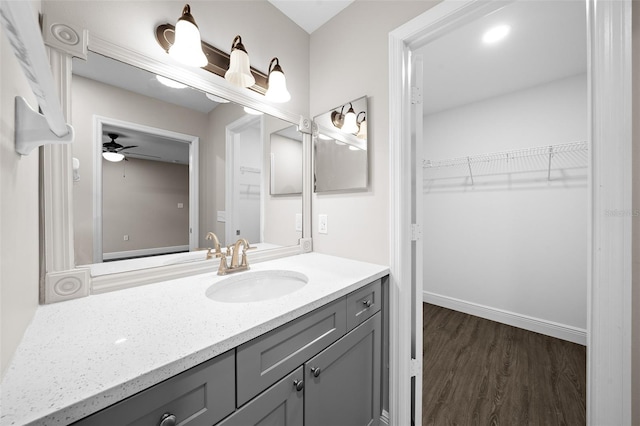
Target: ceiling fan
point(111, 150)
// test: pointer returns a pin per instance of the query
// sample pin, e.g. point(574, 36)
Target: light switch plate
point(323, 227)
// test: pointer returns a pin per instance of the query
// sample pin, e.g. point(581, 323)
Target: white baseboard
point(549, 328)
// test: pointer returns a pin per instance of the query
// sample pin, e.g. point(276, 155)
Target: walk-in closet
point(505, 204)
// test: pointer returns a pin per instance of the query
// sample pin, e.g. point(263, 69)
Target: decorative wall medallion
point(305, 125)
point(66, 285)
point(65, 37)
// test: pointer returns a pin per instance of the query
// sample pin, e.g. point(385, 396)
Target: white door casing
point(610, 178)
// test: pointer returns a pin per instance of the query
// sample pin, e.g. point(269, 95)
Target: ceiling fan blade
point(127, 147)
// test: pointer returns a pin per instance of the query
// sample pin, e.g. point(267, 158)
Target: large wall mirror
point(340, 148)
point(189, 162)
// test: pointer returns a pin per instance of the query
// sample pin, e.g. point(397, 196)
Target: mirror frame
point(61, 279)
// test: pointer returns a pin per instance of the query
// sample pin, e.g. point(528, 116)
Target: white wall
point(349, 59)
point(515, 243)
point(19, 224)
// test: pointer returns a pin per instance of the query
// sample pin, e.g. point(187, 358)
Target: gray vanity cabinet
point(342, 383)
point(200, 396)
point(280, 405)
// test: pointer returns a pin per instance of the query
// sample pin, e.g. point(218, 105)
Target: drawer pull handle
point(367, 303)
point(315, 371)
point(299, 385)
point(168, 420)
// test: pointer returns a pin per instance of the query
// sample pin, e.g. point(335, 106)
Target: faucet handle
point(222, 269)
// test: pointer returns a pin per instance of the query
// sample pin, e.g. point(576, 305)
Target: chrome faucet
point(237, 264)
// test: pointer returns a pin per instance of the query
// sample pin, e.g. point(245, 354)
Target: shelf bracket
point(32, 129)
point(470, 172)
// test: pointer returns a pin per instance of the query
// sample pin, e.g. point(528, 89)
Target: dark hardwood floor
point(480, 372)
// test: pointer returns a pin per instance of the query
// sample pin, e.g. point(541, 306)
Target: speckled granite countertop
point(80, 356)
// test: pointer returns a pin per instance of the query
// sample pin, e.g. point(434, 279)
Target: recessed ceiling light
point(170, 83)
point(496, 34)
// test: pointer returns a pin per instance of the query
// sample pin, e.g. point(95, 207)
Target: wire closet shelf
point(542, 158)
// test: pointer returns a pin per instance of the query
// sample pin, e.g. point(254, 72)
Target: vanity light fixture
point(239, 73)
point(362, 126)
point(277, 83)
point(170, 83)
point(337, 118)
point(496, 34)
point(350, 125)
point(187, 47)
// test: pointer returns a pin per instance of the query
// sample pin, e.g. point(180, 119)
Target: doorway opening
point(609, 170)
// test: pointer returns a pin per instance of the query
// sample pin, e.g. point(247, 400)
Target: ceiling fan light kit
point(112, 150)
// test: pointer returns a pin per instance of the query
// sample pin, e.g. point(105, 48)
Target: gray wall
point(140, 199)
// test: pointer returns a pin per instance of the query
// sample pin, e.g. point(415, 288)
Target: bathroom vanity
point(167, 354)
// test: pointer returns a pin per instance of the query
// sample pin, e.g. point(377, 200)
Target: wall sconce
point(277, 83)
point(187, 48)
point(362, 126)
point(239, 72)
point(345, 122)
point(234, 67)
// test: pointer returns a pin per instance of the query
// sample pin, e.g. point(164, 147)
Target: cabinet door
point(199, 396)
point(280, 405)
point(342, 383)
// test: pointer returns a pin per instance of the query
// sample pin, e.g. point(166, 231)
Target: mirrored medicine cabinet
point(340, 148)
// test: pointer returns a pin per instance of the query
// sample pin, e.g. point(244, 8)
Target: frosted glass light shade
point(239, 72)
point(113, 156)
point(187, 47)
point(362, 133)
point(277, 91)
point(350, 125)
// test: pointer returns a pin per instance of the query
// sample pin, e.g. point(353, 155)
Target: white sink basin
point(256, 286)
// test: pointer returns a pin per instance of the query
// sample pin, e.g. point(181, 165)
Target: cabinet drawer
point(202, 395)
point(267, 358)
point(281, 404)
point(363, 303)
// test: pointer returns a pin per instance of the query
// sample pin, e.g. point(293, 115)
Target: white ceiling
point(547, 42)
point(310, 14)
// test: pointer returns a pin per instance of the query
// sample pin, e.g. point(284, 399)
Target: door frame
point(193, 142)
point(610, 177)
point(232, 132)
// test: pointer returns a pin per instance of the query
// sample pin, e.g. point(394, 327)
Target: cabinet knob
point(315, 371)
point(298, 384)
point(167, 419)
point(367, 303)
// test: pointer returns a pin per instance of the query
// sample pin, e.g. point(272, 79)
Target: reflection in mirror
point(340, 148)
point(141, 212)
point(286, 162)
